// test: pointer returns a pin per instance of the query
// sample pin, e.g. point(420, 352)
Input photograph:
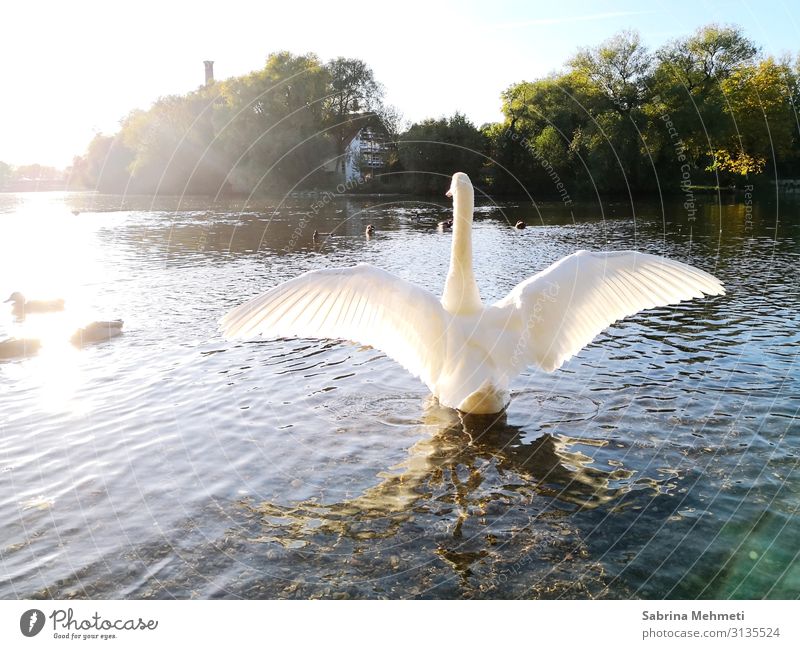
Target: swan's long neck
point(461, 294)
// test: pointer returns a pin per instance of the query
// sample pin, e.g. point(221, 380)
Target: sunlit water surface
point(660, 462)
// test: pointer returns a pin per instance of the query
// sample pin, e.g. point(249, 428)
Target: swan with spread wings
point(466, 352)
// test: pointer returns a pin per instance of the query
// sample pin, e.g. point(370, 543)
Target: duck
point(520, 225)
point(18, 348)
point(316, 235)
point(465, 351)
point(97, 332)
point(21, 307)
point(370, 230)
point(445, 225)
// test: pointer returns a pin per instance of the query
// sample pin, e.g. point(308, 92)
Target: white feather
point(464, 352)
point(363, 304)
point(560, 310)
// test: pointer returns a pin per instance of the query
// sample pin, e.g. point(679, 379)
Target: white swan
point(465, 352)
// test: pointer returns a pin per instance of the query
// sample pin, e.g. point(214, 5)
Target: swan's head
point(459, 185)
point(17, 298)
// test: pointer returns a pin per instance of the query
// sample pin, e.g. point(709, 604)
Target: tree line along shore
point(708, 109)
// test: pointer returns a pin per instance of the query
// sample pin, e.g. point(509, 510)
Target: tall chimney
point(209, 72)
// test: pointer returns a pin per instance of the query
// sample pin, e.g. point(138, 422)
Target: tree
point(432, 150)
point(759, 104)
point(170, 142)
point(619, 67)
point(269, 124)
point(707, 57)
point(689, 82)
point(105, 165)
point(352, 92)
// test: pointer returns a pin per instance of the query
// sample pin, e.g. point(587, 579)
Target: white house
point(366, 153)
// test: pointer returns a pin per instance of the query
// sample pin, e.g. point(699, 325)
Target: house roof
point(357, 121)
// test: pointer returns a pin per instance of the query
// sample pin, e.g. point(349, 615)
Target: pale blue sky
point(74, 68)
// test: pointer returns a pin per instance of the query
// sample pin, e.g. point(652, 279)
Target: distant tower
point(209, 72)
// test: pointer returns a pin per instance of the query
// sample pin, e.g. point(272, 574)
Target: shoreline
point(315, 193)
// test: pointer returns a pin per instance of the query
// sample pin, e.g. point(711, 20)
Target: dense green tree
point(618, 68)
point(269, 124)
point(759, 104)
point(703, 108)
point(708, 56)
point(431, 150)
point(688, 83)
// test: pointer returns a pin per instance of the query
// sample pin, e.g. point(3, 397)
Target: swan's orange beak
point(449, 193)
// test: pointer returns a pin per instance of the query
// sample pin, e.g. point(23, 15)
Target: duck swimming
point(467, 352)
point(96, 332)
point(316, 235)
point(21, 307)
point(18, 348)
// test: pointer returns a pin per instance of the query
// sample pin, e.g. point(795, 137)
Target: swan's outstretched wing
point(364, 304)
point(559, 311)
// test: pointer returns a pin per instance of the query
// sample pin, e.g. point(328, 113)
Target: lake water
point(661, 462)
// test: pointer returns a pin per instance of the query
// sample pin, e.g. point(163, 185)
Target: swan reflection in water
point(479, 494)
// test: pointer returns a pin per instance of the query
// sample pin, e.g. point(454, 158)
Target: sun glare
point(49, 253)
